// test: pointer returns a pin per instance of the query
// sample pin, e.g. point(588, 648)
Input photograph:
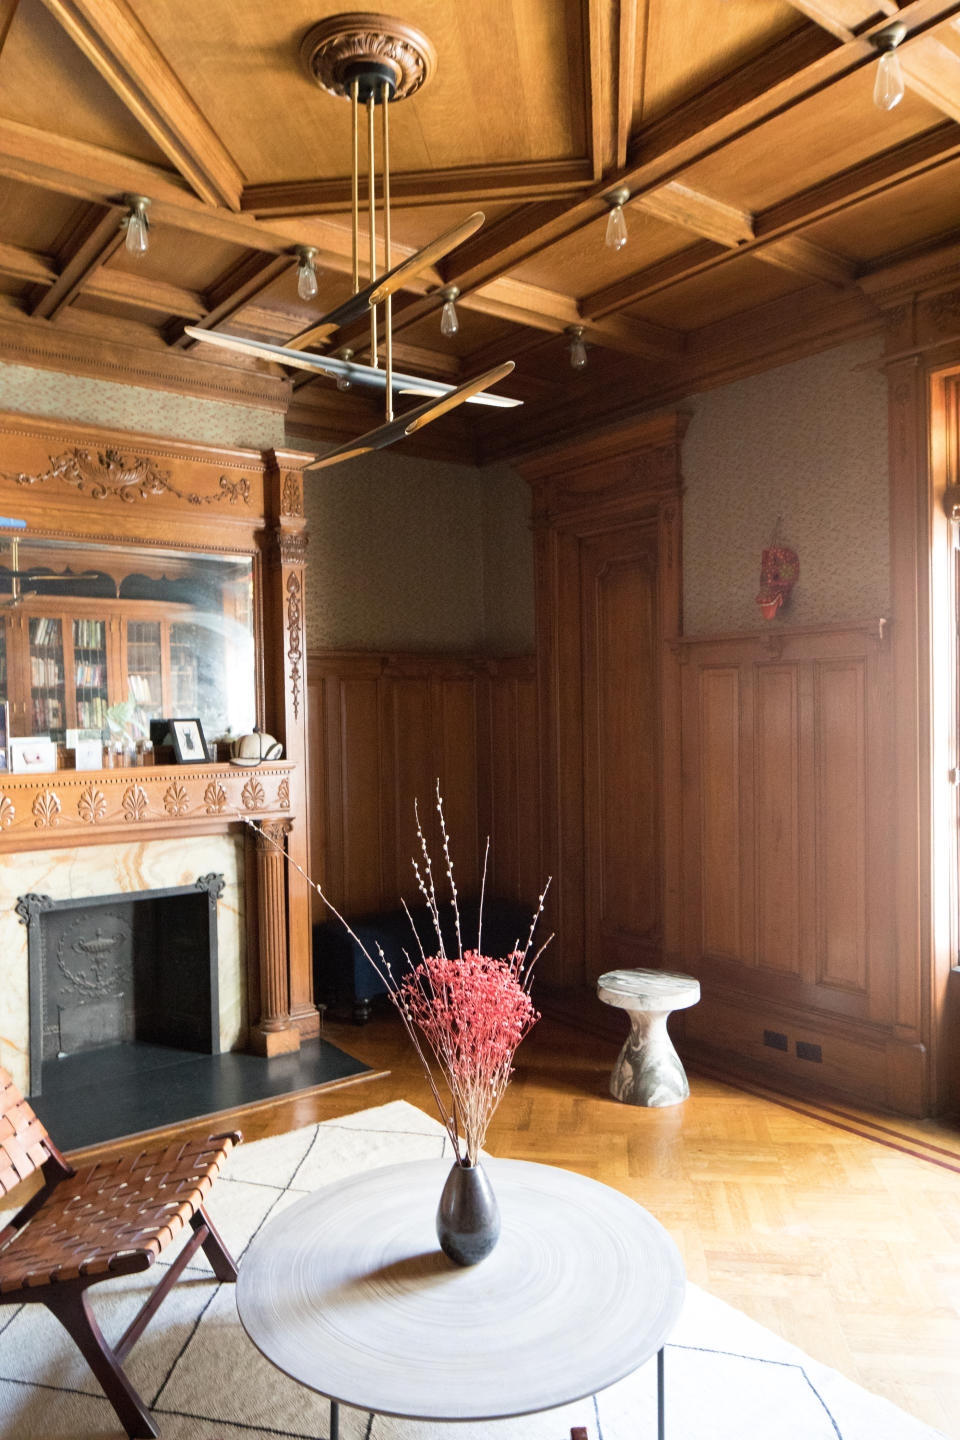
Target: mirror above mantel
point(109, 637)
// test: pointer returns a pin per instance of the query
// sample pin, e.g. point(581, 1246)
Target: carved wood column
point(275, 1033)
point(285, 689)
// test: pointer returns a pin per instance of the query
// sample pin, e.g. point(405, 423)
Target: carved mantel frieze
point(78, 807)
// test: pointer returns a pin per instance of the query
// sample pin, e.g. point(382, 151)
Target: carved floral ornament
point(109, 474)
point(83, 805)
point(329, 49)
point(291, 501)
point(294, 650)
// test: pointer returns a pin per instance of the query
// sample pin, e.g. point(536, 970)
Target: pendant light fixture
point(136, 224)
point(577, 347)
point(888, 89)
point(449, 320)
point(307, 272)
point(374, 60)
point(616, 233)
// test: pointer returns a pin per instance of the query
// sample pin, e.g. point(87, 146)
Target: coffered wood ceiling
point(770, 198)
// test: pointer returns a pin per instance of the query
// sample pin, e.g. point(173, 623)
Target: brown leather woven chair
point(112, 1218)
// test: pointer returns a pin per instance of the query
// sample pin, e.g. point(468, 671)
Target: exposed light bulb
point(137, 225)
point(616, 234)
point(577, 348)
point(307, 272)
point(449, 319)
point(888, 87)
point(344, 382)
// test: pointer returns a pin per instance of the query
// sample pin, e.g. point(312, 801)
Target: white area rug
point(727, 1377)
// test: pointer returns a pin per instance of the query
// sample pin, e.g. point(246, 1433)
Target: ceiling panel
point(493, 98)
point(583, 262)
point(810, 142)
point(687, 46)
point(36, 219)
point(888, 223)
point(738, 285)
point(48, 83)
point(191, 261)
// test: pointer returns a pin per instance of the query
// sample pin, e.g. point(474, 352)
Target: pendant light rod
point(388, 303)
point(372, 213)
point(355, 110)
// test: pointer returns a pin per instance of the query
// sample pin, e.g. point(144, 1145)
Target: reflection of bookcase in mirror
point(64, 663)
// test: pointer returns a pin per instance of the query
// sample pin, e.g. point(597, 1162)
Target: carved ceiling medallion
point(336, 49)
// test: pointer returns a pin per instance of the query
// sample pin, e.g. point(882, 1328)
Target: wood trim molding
point(158, 369)
point(113, 40)
point(40, 812)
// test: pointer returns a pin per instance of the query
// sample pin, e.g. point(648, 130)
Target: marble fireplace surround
point(143, 841)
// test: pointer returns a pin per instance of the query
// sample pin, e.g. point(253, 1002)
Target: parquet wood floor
point(848, 1247)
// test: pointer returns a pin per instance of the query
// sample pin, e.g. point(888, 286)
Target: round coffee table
point(348, 1292)
point(648, 1070)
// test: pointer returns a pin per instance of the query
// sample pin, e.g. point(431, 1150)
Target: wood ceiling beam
point(242, 285)
point(95, 240)
point(802, 65)
point(533, 307)
point(930, 68)
point(803, 257)
point(8, 9)
point(843, 18)
point(932, 71)
point(628, 39)
point(113, 40)
point(91, 173)
point(599, 84)
point(123, 288)
point(27, 265)
point(463, 183)
point(692, 210)
point(918, 156)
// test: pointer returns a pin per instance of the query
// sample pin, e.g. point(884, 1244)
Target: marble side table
point(649, 1071)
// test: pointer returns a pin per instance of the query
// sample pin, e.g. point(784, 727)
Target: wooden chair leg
point(213, 1247)
point(72, 1309)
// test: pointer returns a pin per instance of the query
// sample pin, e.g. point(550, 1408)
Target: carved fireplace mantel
point(95, 487)
point(71, 806)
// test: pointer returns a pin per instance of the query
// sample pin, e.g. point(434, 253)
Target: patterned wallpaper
point(411, 554)
point(806, 443)
point(131, 407)
point(429, 555)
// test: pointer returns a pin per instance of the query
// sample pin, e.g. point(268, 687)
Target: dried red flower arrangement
point(466, 1013)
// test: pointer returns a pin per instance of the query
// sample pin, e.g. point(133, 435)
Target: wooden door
point(620, 650)
point(607, 524)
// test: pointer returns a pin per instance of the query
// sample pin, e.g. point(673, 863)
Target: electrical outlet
point(807, 1051)
point(775, 1039)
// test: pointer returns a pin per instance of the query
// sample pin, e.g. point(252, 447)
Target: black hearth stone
point(123, 1090)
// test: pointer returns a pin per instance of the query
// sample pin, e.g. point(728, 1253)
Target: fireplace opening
point(128, 969)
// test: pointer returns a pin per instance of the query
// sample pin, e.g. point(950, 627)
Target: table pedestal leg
point(661, 1418)
point(649, 1070)
point(335, 1419)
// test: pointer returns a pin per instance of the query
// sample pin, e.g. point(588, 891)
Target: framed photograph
point(32, 755)
point(189, 746)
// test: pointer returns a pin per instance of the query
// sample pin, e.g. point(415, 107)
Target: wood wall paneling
point(788, 867)
point(717, 881)
point(384, 730)
point(776, 837)
point(840, 769)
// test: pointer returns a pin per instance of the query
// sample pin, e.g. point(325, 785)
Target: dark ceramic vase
point(468, 1216)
